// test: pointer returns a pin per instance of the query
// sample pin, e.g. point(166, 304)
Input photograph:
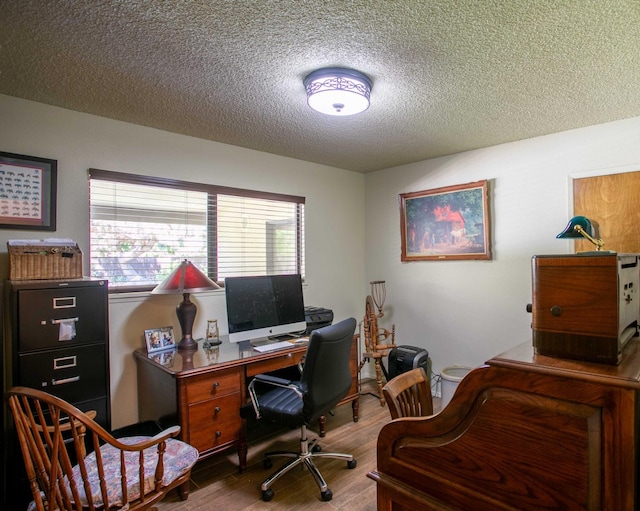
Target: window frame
point(212, 227)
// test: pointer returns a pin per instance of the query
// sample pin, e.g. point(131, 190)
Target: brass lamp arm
point(596, 241)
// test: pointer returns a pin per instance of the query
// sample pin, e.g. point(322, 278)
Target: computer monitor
point(264, 306)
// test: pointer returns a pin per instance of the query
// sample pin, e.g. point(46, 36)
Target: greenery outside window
point(142, 227)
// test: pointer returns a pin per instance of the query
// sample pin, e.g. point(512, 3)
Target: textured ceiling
point(448, 75)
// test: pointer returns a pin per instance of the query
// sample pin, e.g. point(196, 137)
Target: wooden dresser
point(202, 391)
point(524, 432)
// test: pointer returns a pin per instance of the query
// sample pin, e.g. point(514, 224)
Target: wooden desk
point(525, 432)
point(202, 391)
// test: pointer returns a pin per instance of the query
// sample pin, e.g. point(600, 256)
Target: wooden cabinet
point(203, 390)
point(585, 306)
point(525, 432)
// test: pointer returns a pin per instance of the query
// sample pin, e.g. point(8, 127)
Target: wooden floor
point(217, 484)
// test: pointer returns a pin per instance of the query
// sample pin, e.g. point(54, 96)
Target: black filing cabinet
point(59, 341)
point(56, 340)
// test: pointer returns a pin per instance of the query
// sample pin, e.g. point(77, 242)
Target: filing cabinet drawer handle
point(65, 362)
point(65, 380)
point(64, 302)
point(66, 320)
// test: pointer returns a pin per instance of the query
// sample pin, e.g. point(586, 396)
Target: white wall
point(465, 312)
point(334, 215)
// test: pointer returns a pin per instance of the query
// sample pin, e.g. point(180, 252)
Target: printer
point(317, 317)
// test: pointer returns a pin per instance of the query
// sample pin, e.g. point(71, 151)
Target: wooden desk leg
point(242, 457)
point(322, 421)
point(322, 425)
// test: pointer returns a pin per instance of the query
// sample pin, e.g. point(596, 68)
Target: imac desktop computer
point(265, 308)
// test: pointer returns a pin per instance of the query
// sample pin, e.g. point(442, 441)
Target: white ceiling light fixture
point(338, 91)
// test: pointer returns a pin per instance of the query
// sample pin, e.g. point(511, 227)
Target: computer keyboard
point(273, 346)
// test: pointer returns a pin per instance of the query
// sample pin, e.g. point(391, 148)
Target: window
point(142, 227)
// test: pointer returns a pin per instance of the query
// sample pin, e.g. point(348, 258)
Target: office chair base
point(308, 451)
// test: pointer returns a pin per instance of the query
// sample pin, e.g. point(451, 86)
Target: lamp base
point(186, 312)
point(187, 343)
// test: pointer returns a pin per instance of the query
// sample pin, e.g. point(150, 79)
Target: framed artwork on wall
point(445, 223)
point(27, 192)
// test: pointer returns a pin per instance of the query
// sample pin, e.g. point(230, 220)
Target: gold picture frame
point(446, 223)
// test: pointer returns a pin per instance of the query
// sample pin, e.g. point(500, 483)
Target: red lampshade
point(186, 278)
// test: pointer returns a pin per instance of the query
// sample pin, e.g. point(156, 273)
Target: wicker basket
point(42, 262)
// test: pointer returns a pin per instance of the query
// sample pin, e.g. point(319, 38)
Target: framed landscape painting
point(445, 223)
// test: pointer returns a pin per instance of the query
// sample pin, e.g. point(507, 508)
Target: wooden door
point(613, 202)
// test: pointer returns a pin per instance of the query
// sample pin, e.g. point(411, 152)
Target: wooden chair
point(409, 394)
point(54, 437)
point(74, 424)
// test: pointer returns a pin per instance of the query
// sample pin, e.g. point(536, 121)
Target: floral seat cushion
point(178, 458)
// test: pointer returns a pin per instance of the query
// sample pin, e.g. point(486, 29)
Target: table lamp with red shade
point(186, 279)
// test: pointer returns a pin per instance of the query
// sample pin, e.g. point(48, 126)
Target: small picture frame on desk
point(159, 339)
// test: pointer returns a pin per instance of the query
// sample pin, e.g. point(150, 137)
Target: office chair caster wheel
point(316, 448)
point(267, 495)
point(352, 464)
point(326, 495)
point(267, 463)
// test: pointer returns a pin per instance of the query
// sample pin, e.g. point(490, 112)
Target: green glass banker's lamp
point(582, 227)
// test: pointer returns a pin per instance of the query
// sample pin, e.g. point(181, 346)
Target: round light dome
point(338, 91)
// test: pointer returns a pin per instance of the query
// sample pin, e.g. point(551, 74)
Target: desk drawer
point(220, 383)
point(215, 422)
point(272, 364)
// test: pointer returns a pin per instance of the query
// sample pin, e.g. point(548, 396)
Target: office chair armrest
point(272, 380)
point(269, 380)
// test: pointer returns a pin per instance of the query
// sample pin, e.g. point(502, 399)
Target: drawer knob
point(216, 385)
point(216, 410)
point(218, 434)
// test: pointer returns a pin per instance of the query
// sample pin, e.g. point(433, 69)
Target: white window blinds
point(141, 228)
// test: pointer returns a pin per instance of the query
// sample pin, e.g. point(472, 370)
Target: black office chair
point(325, 380)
